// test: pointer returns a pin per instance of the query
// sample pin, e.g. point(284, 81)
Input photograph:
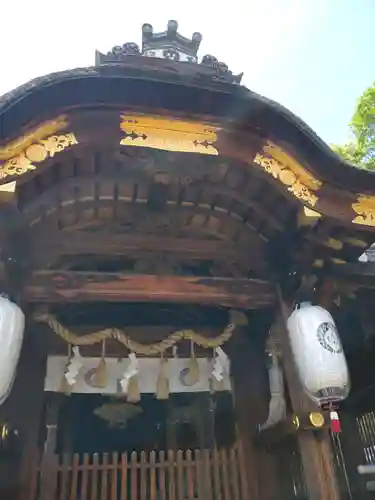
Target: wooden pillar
point(250, 382)
point(315, 448)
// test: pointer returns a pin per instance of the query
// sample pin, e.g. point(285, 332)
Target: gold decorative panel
point(364, 207)
point(290, 179)
point(304, 176)
point(36, 153)
point(168, 134)
point(283, 167)
point(17, 146)
point(7, 192)
point(311, 213)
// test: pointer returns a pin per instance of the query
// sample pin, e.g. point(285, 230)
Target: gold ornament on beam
point(364, 207)
point(289, 172)
point(36, 153)
point(17, 146)
point(168, 134)
point(278, 154)
point(308, 217)
point(288, 178)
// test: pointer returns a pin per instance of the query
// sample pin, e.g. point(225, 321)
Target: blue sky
point(313, 56)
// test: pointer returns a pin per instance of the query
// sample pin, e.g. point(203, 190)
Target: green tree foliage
point(361, 149)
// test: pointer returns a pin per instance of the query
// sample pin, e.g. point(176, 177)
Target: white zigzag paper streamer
point(74, 366)
point(131, 370)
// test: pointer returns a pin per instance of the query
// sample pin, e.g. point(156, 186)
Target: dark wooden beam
point(355, 269)
point(50, 247)
point(71, 286)
point(359, 274)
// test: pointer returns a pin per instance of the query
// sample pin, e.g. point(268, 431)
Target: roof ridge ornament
point(169, 45)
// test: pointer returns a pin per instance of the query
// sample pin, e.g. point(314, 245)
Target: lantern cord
point(337, 441)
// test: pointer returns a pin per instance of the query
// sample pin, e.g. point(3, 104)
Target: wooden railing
point(180, 475)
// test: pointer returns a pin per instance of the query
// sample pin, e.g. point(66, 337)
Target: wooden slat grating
point(162, 475)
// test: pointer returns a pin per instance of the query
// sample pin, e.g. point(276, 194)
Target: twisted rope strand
point(133, 346)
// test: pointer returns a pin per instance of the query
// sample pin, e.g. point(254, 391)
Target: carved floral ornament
point(35, 147)
point(286, 170)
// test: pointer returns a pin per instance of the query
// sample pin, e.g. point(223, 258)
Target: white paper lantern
point(12, 326)
point(318, 354)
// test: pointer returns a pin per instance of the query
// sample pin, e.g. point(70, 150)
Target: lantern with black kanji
point(318, 354)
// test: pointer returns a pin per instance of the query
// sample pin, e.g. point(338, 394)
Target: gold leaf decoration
point(311, 213)
point(168, 134)
point(284, 158)
point(364, 207)
point(287, 177)
point(334, 244)
point(17, 146)
point(36, 153)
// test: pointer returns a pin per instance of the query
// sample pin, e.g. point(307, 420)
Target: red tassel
point(335, 422)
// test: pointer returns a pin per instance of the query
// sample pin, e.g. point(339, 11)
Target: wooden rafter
point(72, 286)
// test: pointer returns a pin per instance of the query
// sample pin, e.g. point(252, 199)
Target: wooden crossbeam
point(72, 286)
point(51, 246)
point(360, 274)
point(355, 269)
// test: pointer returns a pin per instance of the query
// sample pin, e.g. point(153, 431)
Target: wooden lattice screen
point(181, 475)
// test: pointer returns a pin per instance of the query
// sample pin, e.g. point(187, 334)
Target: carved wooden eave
point(240, 182)
point(241, 117)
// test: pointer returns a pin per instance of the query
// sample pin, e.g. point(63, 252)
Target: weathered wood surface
point(72, 286)
point(51, 245)
point(357, 274)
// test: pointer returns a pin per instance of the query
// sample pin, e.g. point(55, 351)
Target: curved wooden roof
point(248, 127)
point(154, 166)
